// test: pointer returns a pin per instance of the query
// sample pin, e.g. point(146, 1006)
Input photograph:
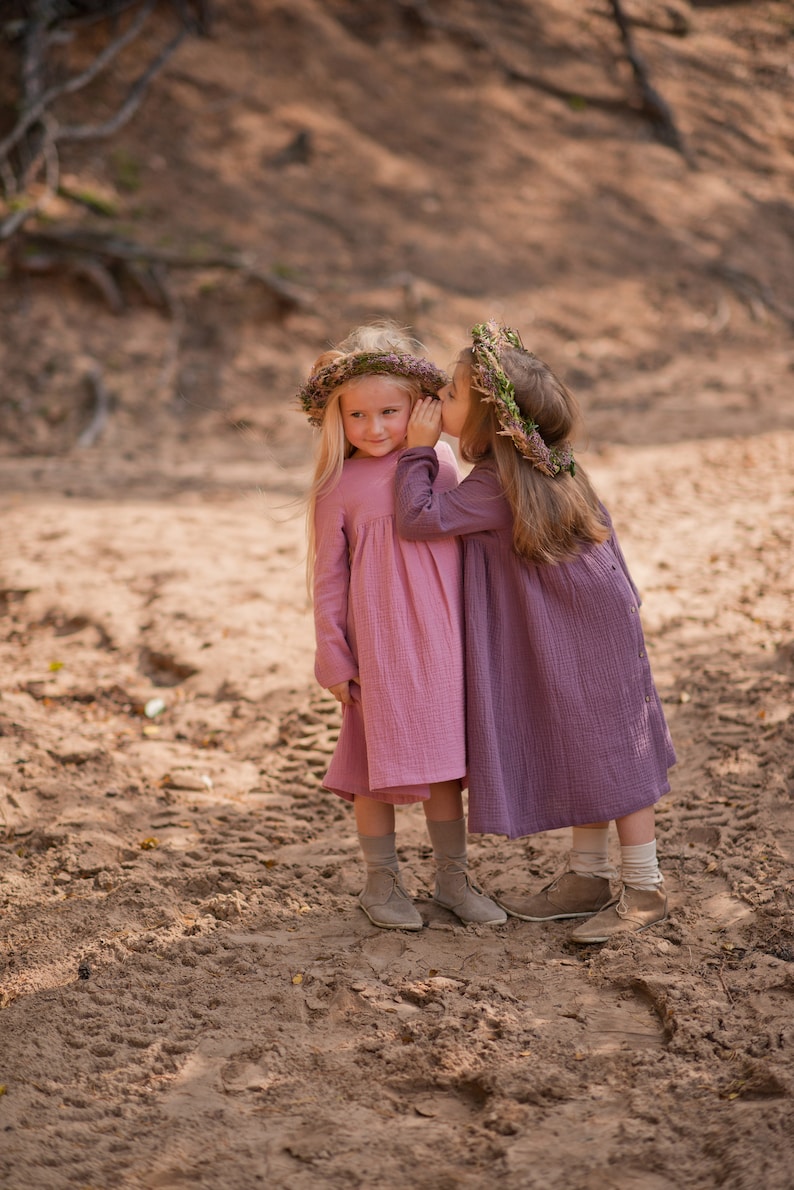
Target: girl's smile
point(375, 414)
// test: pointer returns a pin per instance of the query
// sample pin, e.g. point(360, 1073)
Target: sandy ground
point(191, 995)
point(189, 992)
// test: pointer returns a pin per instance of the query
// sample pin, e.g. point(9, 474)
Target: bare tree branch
point(35, 46)
point(47, 98)
point(93, 256)
point(131, 103)
point(35, 137)
point(758, 296)
point(653, 105)
point(49, 156)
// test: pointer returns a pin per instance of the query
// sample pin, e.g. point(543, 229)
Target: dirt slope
point(190, 995)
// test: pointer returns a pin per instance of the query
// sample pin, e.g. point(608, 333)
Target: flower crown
point(488, 339)
point(315, 393)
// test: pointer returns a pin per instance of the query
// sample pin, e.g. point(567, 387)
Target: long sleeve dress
point(564, 723)
point(389, 617)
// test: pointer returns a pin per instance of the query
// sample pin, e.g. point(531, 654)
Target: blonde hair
point(332, 447)
point(553, 516)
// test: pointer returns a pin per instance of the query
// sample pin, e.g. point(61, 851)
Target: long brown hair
point(553, 516)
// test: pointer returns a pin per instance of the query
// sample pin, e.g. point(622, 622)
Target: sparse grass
point(100, 204)
point(126, 169)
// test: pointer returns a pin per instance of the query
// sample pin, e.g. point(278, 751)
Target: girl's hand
point(341, 693)
point(424, 424)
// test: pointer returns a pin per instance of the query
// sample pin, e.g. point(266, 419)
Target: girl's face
point(455, 401)
point(375, 414)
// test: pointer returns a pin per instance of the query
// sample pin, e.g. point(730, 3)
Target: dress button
point(632, 610)
point(647, 698)
point(641, 654)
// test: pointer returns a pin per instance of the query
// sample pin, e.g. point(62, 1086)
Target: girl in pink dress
point(388, 620)
point(565, 725)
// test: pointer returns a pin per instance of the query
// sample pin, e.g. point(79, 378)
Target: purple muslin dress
point(388, 613)
point(564, 723)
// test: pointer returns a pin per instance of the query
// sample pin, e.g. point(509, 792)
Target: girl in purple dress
point(388, 619)
point(564, 723)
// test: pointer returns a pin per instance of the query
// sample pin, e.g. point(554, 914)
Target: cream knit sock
point(590, 852)
point(639, 867)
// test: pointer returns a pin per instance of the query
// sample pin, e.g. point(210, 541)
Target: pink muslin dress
point(388, 614)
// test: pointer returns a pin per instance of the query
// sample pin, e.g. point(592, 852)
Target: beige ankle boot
point(384, 900)
point(455, 889)
point(634, 910)
point(568, 895)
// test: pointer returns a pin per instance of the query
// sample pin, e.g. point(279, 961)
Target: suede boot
point(454, 887)
point(634, 910)
point(568, 895)
point(384, 900)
